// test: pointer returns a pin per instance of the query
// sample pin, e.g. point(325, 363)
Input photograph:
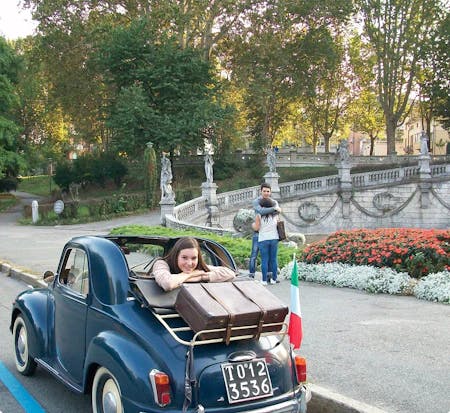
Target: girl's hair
point(266, 202)
point(182, 244)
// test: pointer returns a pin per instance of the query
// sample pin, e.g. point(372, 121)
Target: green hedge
point(240, 248)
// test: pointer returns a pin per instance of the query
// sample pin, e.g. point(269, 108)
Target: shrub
point(8, 183)
point(434, 287)
point(367, 278)
point(240, 248)
point(415, 251)
point(64, 175)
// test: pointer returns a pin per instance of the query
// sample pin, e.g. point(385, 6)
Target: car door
point(71, 302)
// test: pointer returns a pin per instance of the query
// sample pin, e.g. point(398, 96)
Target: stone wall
point(403, 197)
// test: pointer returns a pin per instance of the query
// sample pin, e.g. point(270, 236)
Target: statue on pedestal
point(209, 162)
point(342, 151)
point(423, 144)
point(271, 159)
point(166, 179)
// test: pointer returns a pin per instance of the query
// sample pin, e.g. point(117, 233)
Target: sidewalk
point(390, 353)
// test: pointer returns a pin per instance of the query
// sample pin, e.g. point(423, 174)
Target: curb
point(327, 401)
point(322, 399)
point(28, 278)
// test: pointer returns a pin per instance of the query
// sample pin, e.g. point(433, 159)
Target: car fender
point(126, 359)
point(33, 305)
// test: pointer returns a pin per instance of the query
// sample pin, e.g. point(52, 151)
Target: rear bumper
point(296, 404)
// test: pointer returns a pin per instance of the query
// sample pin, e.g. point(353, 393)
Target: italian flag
point(295, 319)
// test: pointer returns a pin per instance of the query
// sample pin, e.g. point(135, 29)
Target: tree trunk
point(372, 144)
point(391, 126)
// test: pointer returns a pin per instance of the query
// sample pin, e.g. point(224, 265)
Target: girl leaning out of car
point(184, 263)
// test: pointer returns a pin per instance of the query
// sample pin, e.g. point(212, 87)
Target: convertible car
point(104, 326)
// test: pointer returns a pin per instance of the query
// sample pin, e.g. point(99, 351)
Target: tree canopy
point(10, 161)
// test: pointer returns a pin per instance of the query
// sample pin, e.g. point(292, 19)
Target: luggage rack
point(169, 317)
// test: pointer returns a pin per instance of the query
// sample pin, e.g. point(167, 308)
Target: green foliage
point(90, 169)
point(150, 175)
point(38, 185)
point(64, 175)
point(11, 163)
point(7, 201)
point(165, 93)
point(240, 248)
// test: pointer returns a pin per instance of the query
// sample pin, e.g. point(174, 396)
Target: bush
point(8, 183)
point(64, 175)
point(434, 287)
point(239, 248)
point(415, 251)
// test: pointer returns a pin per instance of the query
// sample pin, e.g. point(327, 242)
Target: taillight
point(161, 387)
point(300, 369)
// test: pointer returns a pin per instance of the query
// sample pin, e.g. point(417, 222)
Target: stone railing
point(306, 186)
point(194, 213)
point(295, 157)
point(233, 199)
point(191, 209)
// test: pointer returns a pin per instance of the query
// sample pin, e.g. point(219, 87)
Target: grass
point(38, 185)
point(7, 201)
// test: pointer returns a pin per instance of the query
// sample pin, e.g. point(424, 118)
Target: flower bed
point(434, 287)
point(417, 252)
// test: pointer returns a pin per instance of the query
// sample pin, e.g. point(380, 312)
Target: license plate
point(247, 380)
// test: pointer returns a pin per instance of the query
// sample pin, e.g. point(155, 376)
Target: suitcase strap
point(262, 313)
point(231, 316)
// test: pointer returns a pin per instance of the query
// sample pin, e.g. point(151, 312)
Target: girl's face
point(187, 260)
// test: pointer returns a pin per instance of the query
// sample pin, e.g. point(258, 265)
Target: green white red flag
point(295, 330)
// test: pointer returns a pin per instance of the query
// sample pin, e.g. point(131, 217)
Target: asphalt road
point(391, 352)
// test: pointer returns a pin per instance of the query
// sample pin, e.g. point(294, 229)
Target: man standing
point(266, 192)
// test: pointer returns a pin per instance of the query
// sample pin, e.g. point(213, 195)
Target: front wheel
point(25, 364)
point(106, 396)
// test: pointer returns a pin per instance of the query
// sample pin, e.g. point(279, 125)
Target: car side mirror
point(49, 276)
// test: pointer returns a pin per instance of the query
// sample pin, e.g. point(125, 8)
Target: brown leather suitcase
point(274, 309)
point(226, 306)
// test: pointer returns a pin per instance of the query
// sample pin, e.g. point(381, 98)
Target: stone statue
point(423, 144)
point(209, 162)
point(342, 151)
point(271, 159)
point(166, 179)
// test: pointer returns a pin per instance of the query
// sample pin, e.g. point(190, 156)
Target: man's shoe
point(272, 281)
point(264, 282)
point(251, 275)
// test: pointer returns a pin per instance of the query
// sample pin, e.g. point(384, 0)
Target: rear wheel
point(106, 396)
point(25, 364)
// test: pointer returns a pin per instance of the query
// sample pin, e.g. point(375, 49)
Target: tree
point(434, 77)
point(397, 31)
point(11, 162)
point(165, 94)
point(366, 116)
point(365, 113)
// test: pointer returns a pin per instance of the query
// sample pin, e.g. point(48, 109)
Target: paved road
point(390, 352)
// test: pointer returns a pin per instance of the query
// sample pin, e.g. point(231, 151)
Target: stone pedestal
point(167, 206)
point(272, 179)
point(345, 188)
point(425, 180)
point(209, 192)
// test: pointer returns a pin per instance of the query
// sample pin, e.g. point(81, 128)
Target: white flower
point(434, 287)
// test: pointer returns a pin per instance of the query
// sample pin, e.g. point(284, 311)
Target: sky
point(14, 21)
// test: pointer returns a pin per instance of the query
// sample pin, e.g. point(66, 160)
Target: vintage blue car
point(103, 326)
